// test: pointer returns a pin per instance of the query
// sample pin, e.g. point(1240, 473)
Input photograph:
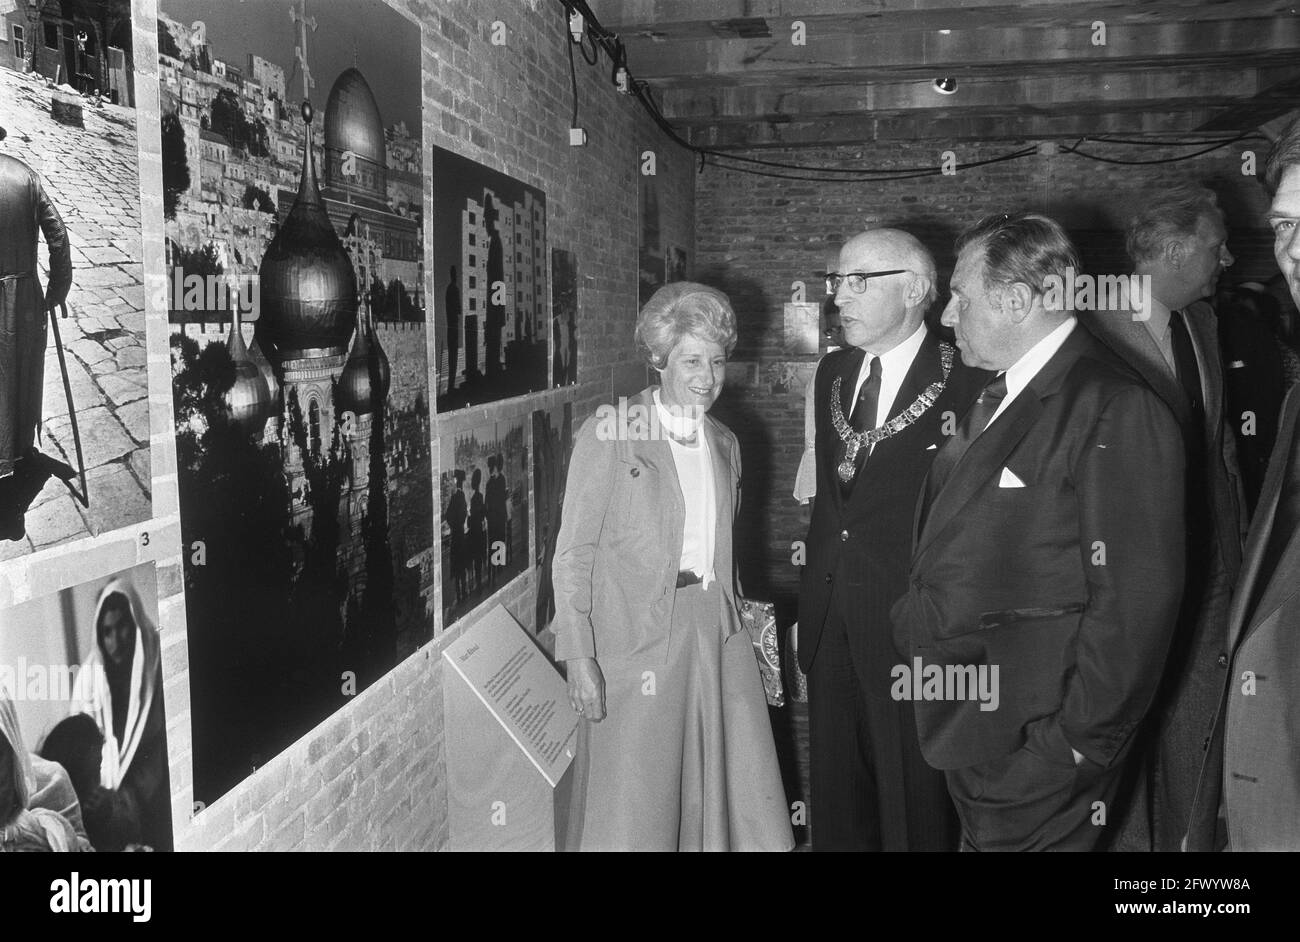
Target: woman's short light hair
point(680, 309)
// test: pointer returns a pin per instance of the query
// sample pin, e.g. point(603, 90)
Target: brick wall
point(372, 776)
point(755, 236)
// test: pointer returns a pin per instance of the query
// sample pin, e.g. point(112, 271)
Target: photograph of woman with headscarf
point(128, 709)
point(84, 671)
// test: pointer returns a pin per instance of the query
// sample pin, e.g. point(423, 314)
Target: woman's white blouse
point(694, 465)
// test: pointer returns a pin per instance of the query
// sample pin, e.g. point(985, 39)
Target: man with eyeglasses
point(882, 405)
point(1048, 557)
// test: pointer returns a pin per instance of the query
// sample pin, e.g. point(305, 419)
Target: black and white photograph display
point(292, 136)
point(484, 501)
point(81, 714)
point(490, 271)
point(564, 318)
point(74, 407)
point(552, 446)
point(652, 426)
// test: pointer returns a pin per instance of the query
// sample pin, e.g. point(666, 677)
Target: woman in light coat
point(675, 747)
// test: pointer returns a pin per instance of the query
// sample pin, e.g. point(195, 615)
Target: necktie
point(1188, 373)
point(863, 418)
point(1199, 520)
point(975, 421)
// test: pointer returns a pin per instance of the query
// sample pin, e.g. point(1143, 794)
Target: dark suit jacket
point(1014, 576)
point(1132, 342)
point(1254, 763)
point(1183, 715)
point(862, 547)
point(1254, 383)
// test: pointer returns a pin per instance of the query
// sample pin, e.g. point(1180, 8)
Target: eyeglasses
point(857, 279)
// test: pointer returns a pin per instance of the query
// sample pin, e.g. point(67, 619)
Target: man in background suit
point(1177, 244)
point(1249, 792)
point(1049, 549)
point(871, 790)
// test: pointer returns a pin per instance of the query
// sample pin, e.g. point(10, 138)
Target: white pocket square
point(931, 447)
point(1009, 479)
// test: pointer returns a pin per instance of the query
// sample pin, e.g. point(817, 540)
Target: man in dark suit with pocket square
point(1048, 556)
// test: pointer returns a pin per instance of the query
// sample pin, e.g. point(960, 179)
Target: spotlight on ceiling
point(945, 85)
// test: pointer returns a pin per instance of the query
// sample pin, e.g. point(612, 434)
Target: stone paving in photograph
point(91, 176)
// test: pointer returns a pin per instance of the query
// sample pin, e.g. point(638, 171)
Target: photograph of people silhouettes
point(484, 500)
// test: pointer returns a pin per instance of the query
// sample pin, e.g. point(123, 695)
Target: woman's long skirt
point(684, 759)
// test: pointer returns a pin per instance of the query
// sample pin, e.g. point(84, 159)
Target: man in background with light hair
point(1177, 242)
point(1249, 792)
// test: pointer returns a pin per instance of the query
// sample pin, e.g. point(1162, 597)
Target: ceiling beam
point(696, 19)
point(944, 131)
point(840, 56)
point(1279, 94)
point(1093, 90)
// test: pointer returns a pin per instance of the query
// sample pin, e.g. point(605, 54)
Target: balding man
point(881, 406)
point(1249, 793)
point(1048, 565)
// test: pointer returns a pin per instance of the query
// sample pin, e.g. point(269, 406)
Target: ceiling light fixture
point(946, 85)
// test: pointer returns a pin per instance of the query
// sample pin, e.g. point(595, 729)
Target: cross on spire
point(299, 16)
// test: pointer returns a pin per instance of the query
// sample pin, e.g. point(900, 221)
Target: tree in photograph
point(176, 168)
point(257, 198)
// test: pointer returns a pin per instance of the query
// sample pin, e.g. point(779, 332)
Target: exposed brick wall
point(372, 776)
point(756, 235)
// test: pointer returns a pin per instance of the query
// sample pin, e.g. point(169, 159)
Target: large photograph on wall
point(491, 327)
point(70, 239)
point(484, 500)
point(81, 713)
point(299, 361)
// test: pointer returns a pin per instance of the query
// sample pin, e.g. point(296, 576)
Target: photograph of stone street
point(90, 174)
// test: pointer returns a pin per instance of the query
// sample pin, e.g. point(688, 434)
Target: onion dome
point(353, 124)
point(249, 399)
point(309, 288)
point(264, 367)
point(364, 381)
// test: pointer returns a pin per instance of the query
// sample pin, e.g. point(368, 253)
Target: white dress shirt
point(894, 365)
point(1033, 360)
point(1158, 326)
point(694, 465)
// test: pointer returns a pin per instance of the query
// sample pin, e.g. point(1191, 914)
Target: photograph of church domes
point(291, 136)
point(491, 326)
